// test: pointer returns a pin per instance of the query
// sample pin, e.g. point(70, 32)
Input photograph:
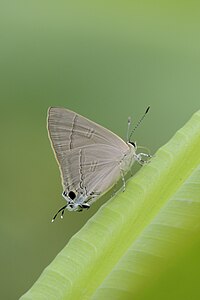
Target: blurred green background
point(104, 59)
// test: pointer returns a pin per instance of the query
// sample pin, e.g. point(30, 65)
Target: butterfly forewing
point(68, 130)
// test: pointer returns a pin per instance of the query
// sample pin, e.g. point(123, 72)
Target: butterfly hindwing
point(89, 170)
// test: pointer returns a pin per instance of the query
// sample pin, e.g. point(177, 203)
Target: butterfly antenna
point(61, 209)
point(128, 128)
point(138, 123)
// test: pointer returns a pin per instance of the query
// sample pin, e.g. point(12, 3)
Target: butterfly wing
point(89, 155)
point(89, 171)
point(68, 130)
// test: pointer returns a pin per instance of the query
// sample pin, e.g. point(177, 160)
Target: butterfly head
point(133, 144)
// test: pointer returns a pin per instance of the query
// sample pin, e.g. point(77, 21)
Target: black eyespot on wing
point(71, 195)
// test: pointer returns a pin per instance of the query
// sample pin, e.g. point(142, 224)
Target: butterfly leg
point(114, 191)
point(139, 158)
point(123, 179)
point(131, 172)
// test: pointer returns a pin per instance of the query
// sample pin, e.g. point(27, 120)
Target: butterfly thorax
point(128, 157)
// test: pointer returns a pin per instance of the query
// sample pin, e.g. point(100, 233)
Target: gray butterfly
point(90, 157)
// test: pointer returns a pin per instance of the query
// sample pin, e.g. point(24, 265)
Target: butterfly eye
point(71, 195)
point(132, 143)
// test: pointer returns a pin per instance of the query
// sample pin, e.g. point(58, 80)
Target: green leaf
point(137, 236)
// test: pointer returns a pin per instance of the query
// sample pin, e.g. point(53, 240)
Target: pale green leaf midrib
point(171, 186)
point(173, 238)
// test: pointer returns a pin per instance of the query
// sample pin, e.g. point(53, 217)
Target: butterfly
point(91, 158)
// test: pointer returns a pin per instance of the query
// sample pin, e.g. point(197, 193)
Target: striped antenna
point(138, 123)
